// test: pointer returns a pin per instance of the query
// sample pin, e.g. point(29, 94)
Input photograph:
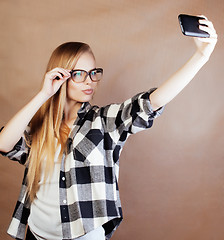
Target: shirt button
point(64, 201)
point(63, 178)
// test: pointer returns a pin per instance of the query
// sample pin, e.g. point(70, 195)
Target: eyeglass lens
point(81, 75)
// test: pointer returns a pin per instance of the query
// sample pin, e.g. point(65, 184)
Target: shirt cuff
point(149, 110)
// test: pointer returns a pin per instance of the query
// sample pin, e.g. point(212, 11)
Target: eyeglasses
point(79, 76)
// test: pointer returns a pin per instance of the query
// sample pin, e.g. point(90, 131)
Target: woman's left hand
point(205, 46)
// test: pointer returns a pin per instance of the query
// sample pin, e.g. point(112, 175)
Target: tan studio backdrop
point(172, 176)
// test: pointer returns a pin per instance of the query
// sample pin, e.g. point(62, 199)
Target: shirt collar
point(84, 109)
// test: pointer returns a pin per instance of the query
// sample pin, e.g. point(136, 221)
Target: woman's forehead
point(86, 62)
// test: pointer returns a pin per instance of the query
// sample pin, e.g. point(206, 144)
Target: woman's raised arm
point(176, 83)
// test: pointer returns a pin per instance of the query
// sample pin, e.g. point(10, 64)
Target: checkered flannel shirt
point(88, 181)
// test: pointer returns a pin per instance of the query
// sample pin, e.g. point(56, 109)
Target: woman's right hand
point(51, 84)
point(13, 131)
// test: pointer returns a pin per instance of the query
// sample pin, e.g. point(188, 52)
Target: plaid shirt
point(88, 181)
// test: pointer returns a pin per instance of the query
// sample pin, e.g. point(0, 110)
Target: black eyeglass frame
point(87, 74)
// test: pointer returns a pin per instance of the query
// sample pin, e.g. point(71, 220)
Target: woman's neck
point(70, 112)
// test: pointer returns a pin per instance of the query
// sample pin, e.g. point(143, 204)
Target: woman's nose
point(88, 79)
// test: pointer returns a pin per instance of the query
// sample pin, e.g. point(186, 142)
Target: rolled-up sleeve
point(20, 151)
point(131, 116)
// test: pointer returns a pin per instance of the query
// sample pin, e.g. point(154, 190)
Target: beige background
point(172, 176)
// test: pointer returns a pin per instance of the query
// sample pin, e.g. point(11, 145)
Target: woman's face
point(84, 91)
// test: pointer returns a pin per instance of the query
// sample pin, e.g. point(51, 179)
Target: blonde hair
point(47, 127)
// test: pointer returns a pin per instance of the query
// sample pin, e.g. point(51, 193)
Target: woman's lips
point(88, 91)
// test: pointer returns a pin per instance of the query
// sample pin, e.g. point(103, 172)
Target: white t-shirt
point(45, 219)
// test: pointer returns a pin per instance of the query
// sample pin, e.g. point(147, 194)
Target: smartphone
point(190, 26)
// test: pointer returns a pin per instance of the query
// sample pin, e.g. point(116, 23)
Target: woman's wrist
point(43, 96)
point(200, 57)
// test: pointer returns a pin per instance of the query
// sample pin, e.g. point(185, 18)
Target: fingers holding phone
point(202, 30)
point(206, 45)
point(207, 26)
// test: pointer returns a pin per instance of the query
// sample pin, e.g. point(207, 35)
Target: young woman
point(71, 149)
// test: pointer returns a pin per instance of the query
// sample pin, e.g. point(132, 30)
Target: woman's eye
point(78, 74)
point(93, 73)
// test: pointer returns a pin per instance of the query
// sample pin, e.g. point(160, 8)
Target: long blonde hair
point(47, 127)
